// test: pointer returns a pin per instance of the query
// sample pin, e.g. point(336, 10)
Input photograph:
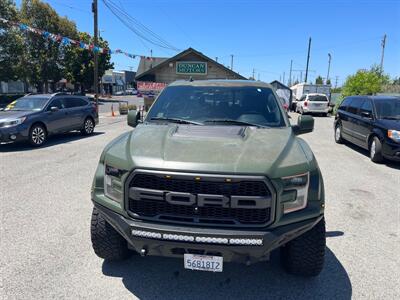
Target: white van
point(313, 103)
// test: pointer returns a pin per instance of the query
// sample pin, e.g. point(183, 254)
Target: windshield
point(27, 103)
point(215, 105)
point(388, 108)
point(318, 98)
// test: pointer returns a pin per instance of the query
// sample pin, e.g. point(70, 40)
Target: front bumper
point(271, 239)
point(13, 134)
point(391, 150)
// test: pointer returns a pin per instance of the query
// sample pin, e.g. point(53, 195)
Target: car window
point(28, 103)
point(366, 107)
point(71, 102)
point(354, 105)
point(256, 105)
point(56, 103)
point(388, 108)
point(317, 98)
point(345, 104)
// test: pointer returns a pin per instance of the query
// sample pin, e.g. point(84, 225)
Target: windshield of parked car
point(317, 98)
point(27, 103)
point(388, 108)
point(218, 105)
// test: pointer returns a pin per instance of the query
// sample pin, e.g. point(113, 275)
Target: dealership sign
point(191, 68)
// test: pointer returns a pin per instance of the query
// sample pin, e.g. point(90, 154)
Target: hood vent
point(210, 131)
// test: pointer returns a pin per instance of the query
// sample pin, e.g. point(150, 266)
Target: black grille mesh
point(243, 188)
point(206, 215)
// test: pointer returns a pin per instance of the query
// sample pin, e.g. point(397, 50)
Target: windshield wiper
point(176, 120)
point(231, 121)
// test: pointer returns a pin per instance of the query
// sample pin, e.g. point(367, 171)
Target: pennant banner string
point(70, 42)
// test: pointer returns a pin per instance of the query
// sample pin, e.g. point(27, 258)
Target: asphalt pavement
point(46, 250)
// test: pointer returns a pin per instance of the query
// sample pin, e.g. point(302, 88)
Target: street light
point(329, 67)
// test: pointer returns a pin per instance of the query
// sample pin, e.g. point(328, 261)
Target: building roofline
point(183, 53)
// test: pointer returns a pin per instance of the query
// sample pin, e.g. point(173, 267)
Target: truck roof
point(221, 83)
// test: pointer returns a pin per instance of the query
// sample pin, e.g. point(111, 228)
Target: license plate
point(203, 262)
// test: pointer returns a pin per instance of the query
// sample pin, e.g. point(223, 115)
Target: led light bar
point(146, 234)
point(211, 240)
point(257, 242)
point(198, 239)
point(178, 237)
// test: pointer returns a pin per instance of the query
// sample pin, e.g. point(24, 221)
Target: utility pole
point(283, 78)
point(96, 67)
point(383, 44)
point(290, 72)
point(301, 76)
point(329, 67)
point(258, 76)
point(232, 62)
point(336, 81)
point(253, 73)
point(308, 58)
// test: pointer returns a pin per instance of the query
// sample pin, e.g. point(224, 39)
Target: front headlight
point(12, 123)
point(394, 135)
point(113, 188)
point(299, 184)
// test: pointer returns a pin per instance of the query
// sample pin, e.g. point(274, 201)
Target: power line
point(138, 28)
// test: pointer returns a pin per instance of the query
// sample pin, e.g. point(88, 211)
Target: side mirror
point(54, 108)
point(366, 114)
point(133, 118)
point(305, 124)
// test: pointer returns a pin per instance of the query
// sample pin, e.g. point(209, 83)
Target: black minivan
point(371, 122)
point(35, 117)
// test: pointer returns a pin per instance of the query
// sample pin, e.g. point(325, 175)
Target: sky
point(261, 35)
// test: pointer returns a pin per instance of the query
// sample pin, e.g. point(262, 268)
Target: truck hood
point(275, 152)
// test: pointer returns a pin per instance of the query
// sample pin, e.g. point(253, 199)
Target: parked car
point(313, 104)
point(35, 117)
point(220, 178)
point(131, 91)
point(119, 93)
point(371, 122)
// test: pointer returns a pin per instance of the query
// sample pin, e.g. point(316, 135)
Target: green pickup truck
point(215, 173)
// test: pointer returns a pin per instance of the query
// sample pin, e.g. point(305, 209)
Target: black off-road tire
point(106, 241)
point(305, 254)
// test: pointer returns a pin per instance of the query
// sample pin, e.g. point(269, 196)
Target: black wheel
point(375, 150)
point(338, 134)
point(107, 243)
point(37, 135)
point(305, 254)
point(88, 127)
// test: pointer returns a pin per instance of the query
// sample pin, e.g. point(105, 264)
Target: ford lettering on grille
point(201, 200)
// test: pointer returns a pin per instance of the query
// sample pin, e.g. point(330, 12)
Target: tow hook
point(143, 252)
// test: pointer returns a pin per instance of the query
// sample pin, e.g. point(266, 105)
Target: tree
point(44, 57)
point(364, 83)
point(11, 48)
point(328, 81)
point(80, 63)
point(319, 80)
